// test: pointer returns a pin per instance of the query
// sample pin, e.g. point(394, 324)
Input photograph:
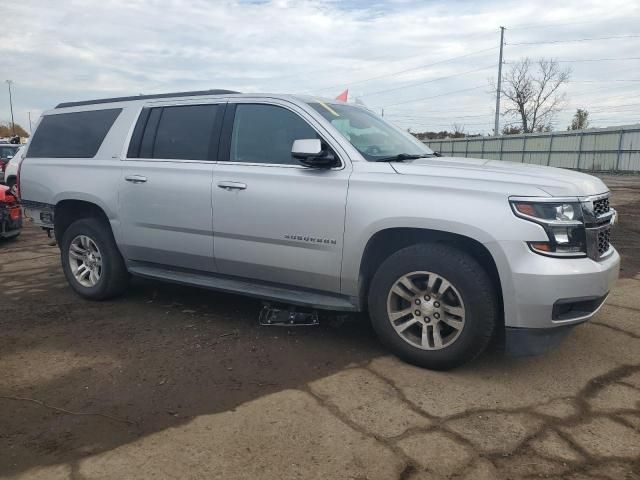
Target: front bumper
point(545, 297)
point(543, 292)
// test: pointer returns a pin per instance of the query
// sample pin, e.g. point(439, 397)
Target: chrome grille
point(600, 207)
point(603, 241)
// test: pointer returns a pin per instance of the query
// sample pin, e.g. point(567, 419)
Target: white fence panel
point(614, 149)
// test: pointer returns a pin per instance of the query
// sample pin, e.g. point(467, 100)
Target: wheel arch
point(387, 241)
point(68, 211)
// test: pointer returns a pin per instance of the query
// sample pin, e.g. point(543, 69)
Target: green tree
point(580, 120)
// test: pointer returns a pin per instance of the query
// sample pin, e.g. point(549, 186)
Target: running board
point(306, 298)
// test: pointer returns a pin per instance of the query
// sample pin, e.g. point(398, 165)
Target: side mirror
point(309, 152)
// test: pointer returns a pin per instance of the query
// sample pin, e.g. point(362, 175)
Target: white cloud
point(86, 49)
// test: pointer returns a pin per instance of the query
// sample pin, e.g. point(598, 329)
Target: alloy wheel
point(85, 261)
point(426, 310)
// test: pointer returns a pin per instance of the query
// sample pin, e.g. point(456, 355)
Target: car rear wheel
point(91, 261)
point(433, 306)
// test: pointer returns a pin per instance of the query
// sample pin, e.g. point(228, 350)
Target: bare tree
point(580, 120)
point(458, 130)
point(532, 93)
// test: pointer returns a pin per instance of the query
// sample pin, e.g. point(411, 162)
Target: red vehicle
point(10, 214)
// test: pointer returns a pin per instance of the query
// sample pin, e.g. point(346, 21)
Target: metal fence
point(602, 149)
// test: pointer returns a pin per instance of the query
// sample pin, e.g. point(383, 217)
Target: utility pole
point(29, 123)
point(496, 129)
point(13, 124)
point(382, 111)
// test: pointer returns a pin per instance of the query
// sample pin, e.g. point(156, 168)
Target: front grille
point(603, 241)
point(600, 207)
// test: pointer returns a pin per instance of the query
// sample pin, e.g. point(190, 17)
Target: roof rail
point(144, 97)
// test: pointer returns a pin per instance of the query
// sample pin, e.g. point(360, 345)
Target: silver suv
point(322, 204)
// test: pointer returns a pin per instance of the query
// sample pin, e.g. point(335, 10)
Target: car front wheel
point(433, 306)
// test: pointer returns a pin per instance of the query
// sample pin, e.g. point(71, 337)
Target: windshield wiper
point(404, 156)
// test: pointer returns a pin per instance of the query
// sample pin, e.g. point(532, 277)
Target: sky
point(427, 64)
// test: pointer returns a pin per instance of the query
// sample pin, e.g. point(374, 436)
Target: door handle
point(232, 185)
point(135, 178)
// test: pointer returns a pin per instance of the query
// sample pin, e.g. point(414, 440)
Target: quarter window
point(72, 135)
point(265, 134)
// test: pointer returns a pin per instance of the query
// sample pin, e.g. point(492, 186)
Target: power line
point(434, 96)
point(464, 111)
point(385, 59)
point(550, 25)
point(598, 60)
point(553, 25)
point(627, 94)
point(604, 81)
point(425, 82)
point(417, 118)
point(419, 67)
point(424, 117)
point(575, 40)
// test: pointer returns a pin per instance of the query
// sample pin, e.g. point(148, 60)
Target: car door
point(165, 192)
point(275, 220)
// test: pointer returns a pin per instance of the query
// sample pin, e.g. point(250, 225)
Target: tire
point(443, 347)
point(112, 275)
point(11, 182)
point(11, 238)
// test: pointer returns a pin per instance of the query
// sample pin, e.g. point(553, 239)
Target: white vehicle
point(11, 168)
point(7, 152)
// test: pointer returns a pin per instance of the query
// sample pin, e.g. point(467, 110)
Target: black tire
point(11, 238)
point(114, 277)
point(11, 182)
point(466, 275)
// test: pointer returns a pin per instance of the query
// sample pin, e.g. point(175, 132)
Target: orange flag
point(343, 96)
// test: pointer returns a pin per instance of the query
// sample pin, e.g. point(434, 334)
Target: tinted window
point(8, 151)
point(149, 136)
point(136, 137)
point(265, 134)
point(184, 132)
point(72, 135)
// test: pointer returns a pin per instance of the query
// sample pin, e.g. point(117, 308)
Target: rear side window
point(186, 132)
point(72, 135)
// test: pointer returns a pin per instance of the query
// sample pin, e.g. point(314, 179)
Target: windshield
point(8, 151)
point(373, 137)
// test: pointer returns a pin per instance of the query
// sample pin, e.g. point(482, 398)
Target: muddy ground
point(79, 378)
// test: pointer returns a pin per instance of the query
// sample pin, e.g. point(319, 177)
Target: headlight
point(549, 212)
point(563, 223)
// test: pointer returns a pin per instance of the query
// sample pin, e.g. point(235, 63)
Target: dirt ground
point(175, 382)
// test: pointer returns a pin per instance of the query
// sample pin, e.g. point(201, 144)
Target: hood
point(556, 182)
